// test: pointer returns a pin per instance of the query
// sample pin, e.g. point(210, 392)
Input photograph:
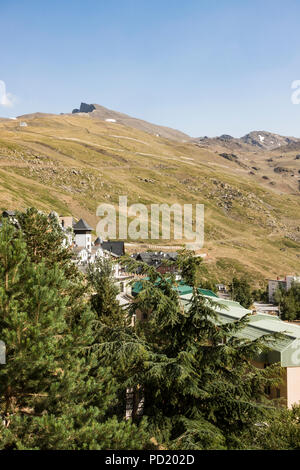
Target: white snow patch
point(261, 137)
point(110, 120)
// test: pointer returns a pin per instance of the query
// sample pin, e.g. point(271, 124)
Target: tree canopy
point(82, 373)
point(240, 291)
point(289, 302)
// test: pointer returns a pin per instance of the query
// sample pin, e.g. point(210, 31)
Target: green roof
point(285, 350)
point(181, 288)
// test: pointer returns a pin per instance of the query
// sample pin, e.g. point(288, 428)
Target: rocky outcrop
point(281, 169)
point(84, 108)
point(226, 137)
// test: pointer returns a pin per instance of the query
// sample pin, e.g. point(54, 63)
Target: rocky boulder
point(84, 108)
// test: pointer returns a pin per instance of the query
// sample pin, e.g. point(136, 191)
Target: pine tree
point(104, 302)
point(241, 292)
point(44, 238)
point(289, 302)
point(280, 431)
point(200, 388)
point(190, 267)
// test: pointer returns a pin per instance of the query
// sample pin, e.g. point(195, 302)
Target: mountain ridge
point(70, 163)
point(100, 112)
point(262, 139)
point(258, 138)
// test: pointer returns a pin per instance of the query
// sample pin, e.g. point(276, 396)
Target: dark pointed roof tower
point(82, 227)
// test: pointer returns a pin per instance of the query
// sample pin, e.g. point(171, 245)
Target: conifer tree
point(289, 302)
point(241, 292)
point(199, 386)
point(44, 238)
point(103, 300)
point(54, 394)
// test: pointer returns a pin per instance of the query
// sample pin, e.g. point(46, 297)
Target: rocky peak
point(266, 140)
point(84, 108)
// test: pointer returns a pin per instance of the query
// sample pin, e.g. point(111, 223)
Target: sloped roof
point(184, 291)
point(82, 225)
point(154, 257)
point(115, 247)
point(8, 213)
point(285, 350)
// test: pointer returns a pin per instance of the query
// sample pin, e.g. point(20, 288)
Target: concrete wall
point(66, 221)
point(84, 240)
point(293, 386)
point(279, 392)
point(289, 390)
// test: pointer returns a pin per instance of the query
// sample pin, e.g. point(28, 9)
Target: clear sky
point(206, 67)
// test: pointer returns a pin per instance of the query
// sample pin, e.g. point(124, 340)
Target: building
point(81, 255)
point(260, 307)
point(83, 234)
point(163, 262)
point(285, 284)
point(222, 291)
point(285, 351)
point(66, 221)
point(11, 216)
point(114, 247)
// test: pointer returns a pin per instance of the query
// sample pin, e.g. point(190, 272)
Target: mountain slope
point(72, 163)
point(99, 112)
point(268, 158)
point(253, 141)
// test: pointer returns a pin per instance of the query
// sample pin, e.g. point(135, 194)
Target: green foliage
point(190, 267)
point(289, 302)
point(104, 302)
point(200, 388)
point(241, 292)
point(54, 394)
point(72, 354)
point(260, 295)
point(279, 431)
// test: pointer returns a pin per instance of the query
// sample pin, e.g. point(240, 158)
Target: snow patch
point(261, 137)
point(110, 120)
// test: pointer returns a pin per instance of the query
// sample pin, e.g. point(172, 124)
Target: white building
point(83, 234)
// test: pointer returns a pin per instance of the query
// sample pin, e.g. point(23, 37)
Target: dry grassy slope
point(104, 113)
point(277, 167)
point(71, 163)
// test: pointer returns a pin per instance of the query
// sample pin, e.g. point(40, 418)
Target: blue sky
point(206, 67)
